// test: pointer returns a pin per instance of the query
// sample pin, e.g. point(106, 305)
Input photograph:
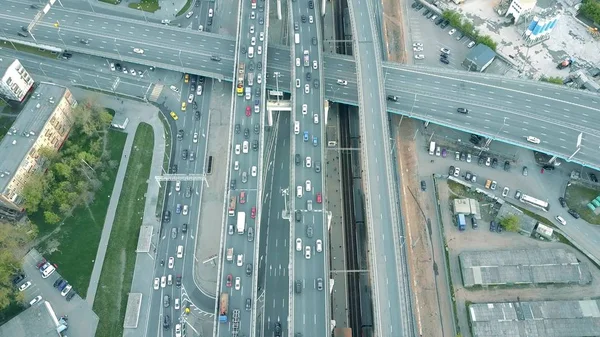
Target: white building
point(517, 8)
point(15, 81)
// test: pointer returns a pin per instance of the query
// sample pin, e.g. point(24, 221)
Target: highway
point(389, 279)
point(308, 237)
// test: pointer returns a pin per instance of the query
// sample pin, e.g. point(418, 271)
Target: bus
point(543, 205)
point(240, 79)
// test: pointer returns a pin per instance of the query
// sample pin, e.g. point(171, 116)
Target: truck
point(431, 148)
point(462, 222)
point(566, 63)
point(229, 254)
point(240, 79)
point(253, 4)
point(241, 222)
point(232, 202)
point(250, 79)
point(223, 306)
point(306, 59)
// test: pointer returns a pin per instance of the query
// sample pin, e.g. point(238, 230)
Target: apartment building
point(44, 122)
point(15, 82)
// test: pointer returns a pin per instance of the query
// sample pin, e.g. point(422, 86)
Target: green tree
point(487, 40)
point(33, 191)
point(555, 80)
point(591, 10)
point(51, 217)
point(62, 170)
point(510, 223)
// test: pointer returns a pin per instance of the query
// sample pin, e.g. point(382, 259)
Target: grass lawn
point(28, 49)
point(117, 273)
point(5, 124)
point(161, 191)
point(578, 197)
point(146, 5)
point(185, 8)
point(74, 246)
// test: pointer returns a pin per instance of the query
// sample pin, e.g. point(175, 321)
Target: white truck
point(431, 148)
point(229, 254)
point(250, 79)
point(241, 222)
point(306, 59)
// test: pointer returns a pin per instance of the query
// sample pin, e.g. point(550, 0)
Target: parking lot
point(82, 320)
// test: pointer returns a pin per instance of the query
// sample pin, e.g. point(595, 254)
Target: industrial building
point(15, 82)
point(575, 318)
point(518, 8)
point(44, 122)
point(479, 58)
point(518, 267)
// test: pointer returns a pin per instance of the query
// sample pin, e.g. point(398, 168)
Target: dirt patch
point(578, 197)
point(393, 33)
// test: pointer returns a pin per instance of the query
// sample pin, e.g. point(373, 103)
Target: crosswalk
point(156, 90)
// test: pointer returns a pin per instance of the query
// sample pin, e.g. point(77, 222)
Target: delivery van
point(296, 38)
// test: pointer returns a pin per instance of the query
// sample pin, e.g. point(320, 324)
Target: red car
point(248, 111)
point(253, 213)
point(229, 278)
point(319, 198)
point(242, 197)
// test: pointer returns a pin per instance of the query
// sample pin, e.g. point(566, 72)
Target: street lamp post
point(59, 37)
point(43, 72)
point(181, 62)
point(92, 7)
point(276, 75)
point(497, 134)
point(143, 12)
point(117, 49)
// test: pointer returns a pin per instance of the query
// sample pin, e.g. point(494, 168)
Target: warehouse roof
point(512, 267)
point(536, 319)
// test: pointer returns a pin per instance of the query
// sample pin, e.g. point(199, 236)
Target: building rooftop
point(481, 55)
point(536, 319)
point(527, 224)
point(26, 129)
point(513, 267)
point(35, 321)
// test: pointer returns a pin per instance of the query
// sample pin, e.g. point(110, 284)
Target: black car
point(259, 65)
point(167, 216)
point(248, 304)
point(297, 159)
point(167, 322)
point(475, 139)
point(414, 5)
point(184, 154)
point(474, 223)
point(423, 185)
point(444, 24)
point(298, 287)
point(573, 213)
point(318, 166)
point(392, 98)
point(463, 156)
point(180, 135)
point(311, 4)
point(303, 18)
point(18, 278)
point(494, 163)
point(71, 295)
point(255, 145)
point(249, 269)
point(316, 83)
point(246, 133)
point(243, 50)
point(492, 226)
point(238, 128)
point(256, 128)
point(444, 60)
point(118, 66)
point(308, 77)
point(481, 161)
point(462, 110)
point(232, 184)
point(444, 55)
point(593, 177)
point(562, 201)
point(184, 228)
point(278, 325)
point(314, 41)
point(174, 168)
point(507, 166)
point(419, 6)
point(451, 170)
point(67, 55)
point(426, 12)
point(57, 282)
point(178, 281)
point(197, 115)
point(548, 167)
point(250, 65)
point(298, 216)
point(438, 21)
point(215, 58)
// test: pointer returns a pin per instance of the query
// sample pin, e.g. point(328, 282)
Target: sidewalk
point(136, 112)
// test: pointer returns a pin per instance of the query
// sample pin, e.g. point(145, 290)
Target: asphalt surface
point(391, 287)
point(310, 311)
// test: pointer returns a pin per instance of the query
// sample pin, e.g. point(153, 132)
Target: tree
point(555, 80)
point(510, 223)
point(33, 191)
point(591, 10)
point(487, 40)
point(51, 217)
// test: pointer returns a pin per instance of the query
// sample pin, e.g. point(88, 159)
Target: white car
point(238, 283)
point(189, 15)
point(66, 290)
point(199, 90)
point(163, 281)
point(240, 260)
point(299, 191)
point(457, 172)
point(176, 304)
point(533, 140)
point(261, 36)
point(169, 280)
point(251, 29)
point(236, 165)
point(156, 283)
point(418, 44)
point(561, 220)
point(306, 88)
point(177, 330)
point(112, 66)
point(471, 44)
point(185, 210)
point(201, 28)
point(315, 64)
point(257, 109)
point(210, 12)
point(308, 162)
point(259, 78)
point(297, 61)
point(252, 15)
point(308, 186)
point(254, 171)
point(342, 82)
point(245, 146)
point(259, 50)
point(25, 286)
point(304, 109)
point(307, 252)
point(237, 148)
point(138, 50)
point(505, 191)
point(297, 83)
point(319, 246)
point(174, 88)
point(316, 118)
point(468, 157)
point(452, 31)
point(165, 21)
point(37, 299)
point(179, 252)
point(445, 51)
point(190, 98)
point(298, 244)
point(132, 72)
point(253, 41)
point(419, 57)
point(310, 19)
point(195, 139)
point(171, 262)
point(417, 49)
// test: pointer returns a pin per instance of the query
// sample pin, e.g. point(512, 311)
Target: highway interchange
point(510, 111)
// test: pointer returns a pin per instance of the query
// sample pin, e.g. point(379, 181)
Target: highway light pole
point(59, 37)
point(276, 75)
point(487, 144)
point(143, 12)
point(92, 7)
point(181, 62)
point(117, 49)
point(43, 72)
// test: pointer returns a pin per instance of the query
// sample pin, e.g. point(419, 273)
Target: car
point(250, 234)
point(253, 41)
point(471, 44)
point(257, 109)
point(469, 157)
point(189, 14)
point(277, 329)
point(457, 155)
point(308, 162)
point(184, 154)
point(560, 220)
point(304, 109)
point(318, 166)
point(342, 82)
point(488, 160)
point(184, 228)
point(171, 262)
point(57, 282)
point(183, 106)
point(493, 226)
point(306, 88)
point(417, 44)
point(315, 141)
point(423, 185)
point(533, 140)
point(252, 30)
point(419, 57)
point(256, 129)
point(261, 20)
point(311, 4)
point(494, 162)
point(185, 210)
point(518, 194)
point(199, 91)
point(176, 306)
point(71, 295)
point(156, 283)
point(468, 176)
point(457, 172)
point(562, 201)
point(548, 167)
point(138, 50)
point(309, 231)
point(229, 279)
point(163, 281)
point(112, 67)
point(316, 118)
point(230, 230)
point(460, 36)
point(310, 19)
point(298, 244)
point(319, 198)
point(438, 21)
point(166, 301)
point(25, 286)
point(462, 110)
point(573, 213)
point(238, 283)
point(307, 76)
point(248, 304)
point(593, 177)
point(178, 208)
point(240, 260)
point(507, 166)
point(177, 330)
point(297, 83)
point(174, 115)
point(426, 12)
point(255, 145)
point(307, 252)
point(444, 60)
point(308, 186)
point(451, 170)
point(505, 191)
point(174, 233)
point(195, 138)
point(315, 64)
point(474, 178)
point(167, 216)
point(525, 171)
point(305, 137)
point(35, 300)
point(248, 111)
point(452, 31)
point(417, 49)
point(253, 212)
point(314, 41)
point(210, 13)
point(319, 246)
point(254, 171)
point(302, 18)
point(244, 177)
point(319, 284)
point(66, 290)
point(494, 185)
point(237, 148)
point(261, 36)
